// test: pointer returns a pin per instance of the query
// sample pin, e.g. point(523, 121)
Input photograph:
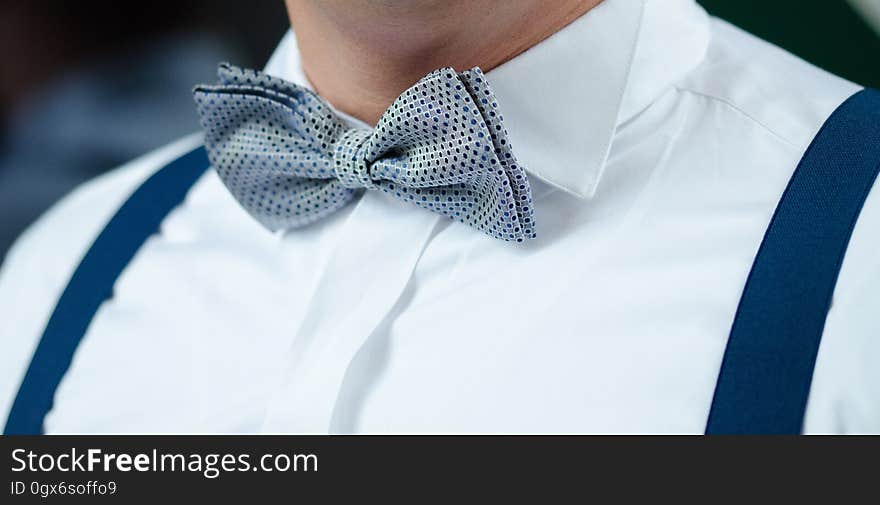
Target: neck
point(361, 54)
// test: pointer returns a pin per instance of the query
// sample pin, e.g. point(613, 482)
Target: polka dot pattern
point(442, 145)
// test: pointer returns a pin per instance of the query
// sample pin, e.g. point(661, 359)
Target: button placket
point(362, 281)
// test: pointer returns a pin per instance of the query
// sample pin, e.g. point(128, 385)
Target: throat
point(361, 54)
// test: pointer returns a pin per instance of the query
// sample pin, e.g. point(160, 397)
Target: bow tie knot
point(349, 163)
point(290, 161)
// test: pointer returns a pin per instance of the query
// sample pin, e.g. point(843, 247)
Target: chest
point(607, 325)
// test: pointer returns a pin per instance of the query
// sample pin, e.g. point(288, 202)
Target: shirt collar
point(564, 98)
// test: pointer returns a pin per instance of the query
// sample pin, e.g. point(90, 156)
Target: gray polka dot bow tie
point(289, 160)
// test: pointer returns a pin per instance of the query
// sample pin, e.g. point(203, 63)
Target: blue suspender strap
point(92, 284)
point(768, 364)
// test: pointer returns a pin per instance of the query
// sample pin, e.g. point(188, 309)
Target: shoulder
point(787, 96)
point(37, 268)
point(787, 99)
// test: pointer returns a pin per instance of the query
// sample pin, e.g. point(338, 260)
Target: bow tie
point(289, 160)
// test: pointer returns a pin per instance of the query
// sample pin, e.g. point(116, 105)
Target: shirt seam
point(742, 112)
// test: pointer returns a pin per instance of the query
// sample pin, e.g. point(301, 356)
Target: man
point(656, 143)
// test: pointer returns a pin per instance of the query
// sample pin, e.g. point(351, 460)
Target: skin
point(361, 54)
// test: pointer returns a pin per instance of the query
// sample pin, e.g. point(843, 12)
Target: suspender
point(92, 284)
point(768, 364)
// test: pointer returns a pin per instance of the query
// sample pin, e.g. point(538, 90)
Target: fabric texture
point(290, 161)
point(768, 365)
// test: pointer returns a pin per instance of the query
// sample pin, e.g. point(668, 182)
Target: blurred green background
point(828, 33)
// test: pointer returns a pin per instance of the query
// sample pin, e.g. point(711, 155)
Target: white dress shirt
point(658, 142)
